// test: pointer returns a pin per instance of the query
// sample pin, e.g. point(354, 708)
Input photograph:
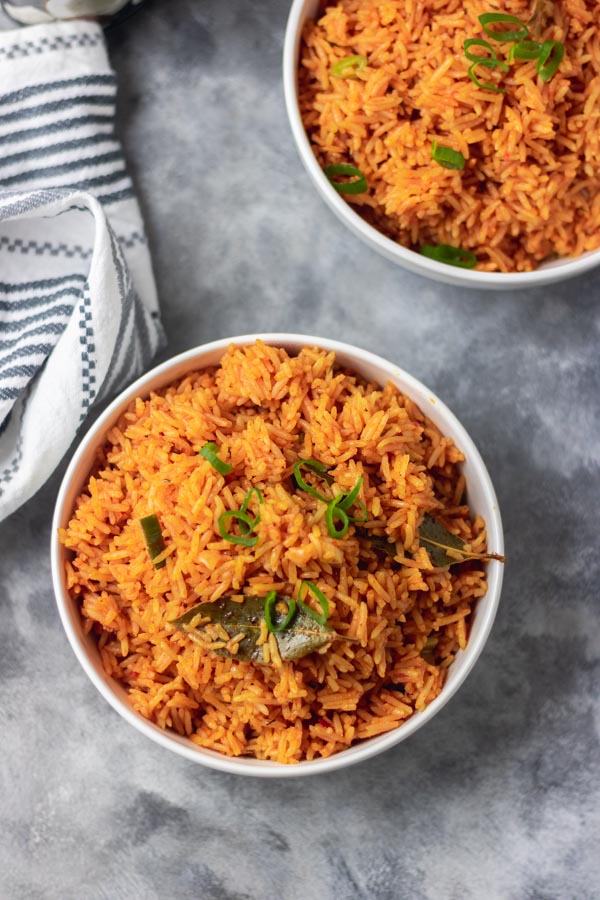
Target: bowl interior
point(481, 498)
point(557, 270)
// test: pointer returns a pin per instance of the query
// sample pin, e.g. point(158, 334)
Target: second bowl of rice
point(505, 181)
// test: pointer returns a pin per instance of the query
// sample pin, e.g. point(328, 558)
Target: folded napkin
point(78, 310)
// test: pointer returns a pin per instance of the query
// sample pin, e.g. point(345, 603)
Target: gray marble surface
point(498, 797)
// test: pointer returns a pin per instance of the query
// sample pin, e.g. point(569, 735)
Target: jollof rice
point(265, 409)
point(530, 189)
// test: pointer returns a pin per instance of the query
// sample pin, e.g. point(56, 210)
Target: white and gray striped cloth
point(79, 316)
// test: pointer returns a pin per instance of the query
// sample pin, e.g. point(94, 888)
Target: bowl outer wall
point(481, 496)
point(551, 273)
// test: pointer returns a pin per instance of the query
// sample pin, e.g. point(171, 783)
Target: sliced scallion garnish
point(319, 468)
point(487, 85)
point(453, 256)
point(246, 523)
point(154, 538)
point(447, 157)
point(351, 499)
point(349, 66)
point(209, 452)
point(550, 59)
point(525, 50)
point(270, 601)
point(346, 187)
point(333, 513)
point(518, 34)
point(479, 42)
point(321, 617)
point(247, 498)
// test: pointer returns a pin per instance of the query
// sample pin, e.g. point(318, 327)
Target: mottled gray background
point(499, 796)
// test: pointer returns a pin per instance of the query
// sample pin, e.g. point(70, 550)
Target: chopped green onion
point(492, 18)
point(240, 517)
point(453, 256)
point(349, 66)
point(319, 469)
point(154, 538)
point(334, 512)
point(485, 85)
point(447, 157)
point(209, 452)
point(247, 498)
point(322, 617)
point(550, 59)
point(346, 187)
point(524, 50)
point(350, 499)
point(270, 601)
point(479, 42)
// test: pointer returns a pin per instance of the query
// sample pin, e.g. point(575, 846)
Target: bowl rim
point(160, 376)
point(399, 254)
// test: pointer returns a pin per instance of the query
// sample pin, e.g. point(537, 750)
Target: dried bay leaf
point(437, 540)
point(303, 636)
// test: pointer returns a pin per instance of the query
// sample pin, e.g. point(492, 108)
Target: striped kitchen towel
point(79, 316)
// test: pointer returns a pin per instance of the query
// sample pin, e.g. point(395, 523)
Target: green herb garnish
point(349, 67)
point(346, 187)
point(335, 512)
point(485, 60)
point(246, 525)
point(154, 538)
point(550, 59)
point(452, 256)
point(321, 617)
point(351, 499)
point(318, 468)
point(447, 157)
point(247, 498)
point(524, 50)
point(517, 34)
point(270, 603)
point(209, 452)
point(486, 85)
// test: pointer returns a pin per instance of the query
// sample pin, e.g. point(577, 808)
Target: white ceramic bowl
point(547, 274)
point(481, 498)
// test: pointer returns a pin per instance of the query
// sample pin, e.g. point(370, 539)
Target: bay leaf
point(437, 540)
point(303, 635)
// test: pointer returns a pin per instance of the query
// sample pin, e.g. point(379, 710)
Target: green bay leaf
point(437, 540)
point(303, 636)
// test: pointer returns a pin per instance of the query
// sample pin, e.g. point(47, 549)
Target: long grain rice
point(265, 409)
point(530, 190)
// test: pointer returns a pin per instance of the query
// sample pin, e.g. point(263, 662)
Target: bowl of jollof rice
point(277, 555)
point(479, 176)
